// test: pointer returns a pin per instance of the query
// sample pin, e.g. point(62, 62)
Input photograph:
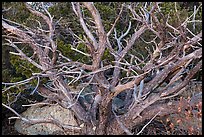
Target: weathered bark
point(165, 108)
point(152, 80)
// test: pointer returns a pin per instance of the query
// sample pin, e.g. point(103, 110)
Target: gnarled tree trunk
point(141, 93)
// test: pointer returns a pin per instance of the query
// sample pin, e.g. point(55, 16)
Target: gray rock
point(36, 112)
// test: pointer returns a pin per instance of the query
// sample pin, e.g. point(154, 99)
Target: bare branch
point(135, 36)
point(121, 37)
point(97, 18)
point(169, 58)
point(19, 116)
point(24, 56)
point(110, 31)
point(148, 123)
point(86, 30)
point(119, 88)
point(121, 124)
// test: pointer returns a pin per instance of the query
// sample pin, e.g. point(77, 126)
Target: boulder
point(42, 112)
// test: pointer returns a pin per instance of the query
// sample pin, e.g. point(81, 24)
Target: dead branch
point(141, 80)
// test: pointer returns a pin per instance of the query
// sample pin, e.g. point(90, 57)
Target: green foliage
point(19, 69)
point(17, 11)
point(69, 19)
point(22, 70)
point(168, 7)
point(105, 10)
point(15, 69)
point(67, 51)
point(171, 9)
point(6, 75)
point(23, 67)
point(107, 57)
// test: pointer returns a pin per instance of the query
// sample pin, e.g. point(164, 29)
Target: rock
point(42, 112)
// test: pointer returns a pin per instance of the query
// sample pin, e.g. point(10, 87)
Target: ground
point(158, 126)
point(8, 125)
